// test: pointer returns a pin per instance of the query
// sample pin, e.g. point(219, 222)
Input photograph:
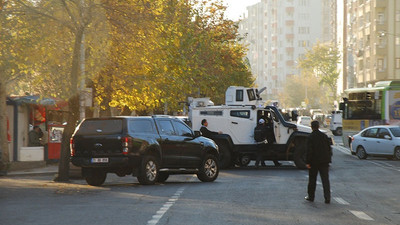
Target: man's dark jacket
point(318, 149)
point(206, 132)
point(260, 132)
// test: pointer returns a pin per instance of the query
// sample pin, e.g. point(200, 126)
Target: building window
point(398, 63)
point(398, 16)
point(381, 18)
point(397, 40)
point(304, 30)
point(380, 64)
point(304, 43)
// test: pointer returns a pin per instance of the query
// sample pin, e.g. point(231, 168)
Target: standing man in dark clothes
point(34, 137)
point(319, 155)
point(205, 131)
point(264, 131)
point(260, 135)
point(271, 137)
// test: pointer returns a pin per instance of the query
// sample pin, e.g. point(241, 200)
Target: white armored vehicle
point(237, 119)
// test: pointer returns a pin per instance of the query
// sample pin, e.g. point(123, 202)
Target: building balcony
point(290, 63)
point(379, 26)
point(289, 22)
point(289, 36)
point(290, 49)
point(289, 9)
point(381, 50)
point(380, 3)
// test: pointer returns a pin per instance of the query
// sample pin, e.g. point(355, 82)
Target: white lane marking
point(171, 201)
point(342, 149)
point(341, 201)
point(361, 215)
point(385, 165)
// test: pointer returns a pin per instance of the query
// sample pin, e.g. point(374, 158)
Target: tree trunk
point(5, 159)
point(73, 105)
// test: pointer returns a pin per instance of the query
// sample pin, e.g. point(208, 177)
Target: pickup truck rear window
point(91, 127)
point(141, 126)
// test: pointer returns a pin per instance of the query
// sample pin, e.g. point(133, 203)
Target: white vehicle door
point(384, 146)
point(278, 129)
point(369, 141)
point(241, 126)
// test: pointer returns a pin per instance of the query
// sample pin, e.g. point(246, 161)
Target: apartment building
point(278, 32)
point(372, 42)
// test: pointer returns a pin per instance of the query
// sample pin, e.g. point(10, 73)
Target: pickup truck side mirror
point(197, 133)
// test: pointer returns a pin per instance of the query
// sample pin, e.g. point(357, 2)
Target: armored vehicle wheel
point(244, 160)
point(209, 170)
point(94, 177)
point(162, 177)
point(300, 156)
point(148, 170)
point(225, 156)
point(338, 131)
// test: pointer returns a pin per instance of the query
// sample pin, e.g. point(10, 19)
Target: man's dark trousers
point(323, 170)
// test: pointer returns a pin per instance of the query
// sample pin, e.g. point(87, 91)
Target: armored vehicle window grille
point(141, 126)
point(241, 113)
point(109, 126)
point(166, 127)
point(251, 94)
point(239, 95)
point(211, 113)
point(182, 129)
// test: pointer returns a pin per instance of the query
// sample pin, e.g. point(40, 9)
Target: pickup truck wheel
point(148, 170)
point(162, 177)
point(225, 156)
point(300, 156)
point(94, 177)
point(209, 170)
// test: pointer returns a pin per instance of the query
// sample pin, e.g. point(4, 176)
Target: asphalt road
point(363, 192)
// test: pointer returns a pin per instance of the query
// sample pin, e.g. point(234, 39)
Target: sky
point(236, 8)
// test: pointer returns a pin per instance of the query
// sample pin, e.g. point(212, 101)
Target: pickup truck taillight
point(72, 146)
point(126, 143)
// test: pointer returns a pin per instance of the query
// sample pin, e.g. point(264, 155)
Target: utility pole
point(345, 72)
point(82, 93)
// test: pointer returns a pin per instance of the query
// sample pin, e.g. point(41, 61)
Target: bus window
point(363, 109)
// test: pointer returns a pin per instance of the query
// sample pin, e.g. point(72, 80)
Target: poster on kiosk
point(55, 137)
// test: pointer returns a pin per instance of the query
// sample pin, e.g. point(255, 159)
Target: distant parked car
point(304, 120)
point(335, 124)
point(377, 141)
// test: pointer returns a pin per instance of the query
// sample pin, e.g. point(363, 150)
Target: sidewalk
point(47, 169)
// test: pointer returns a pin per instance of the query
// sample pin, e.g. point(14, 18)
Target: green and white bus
point(364, 107)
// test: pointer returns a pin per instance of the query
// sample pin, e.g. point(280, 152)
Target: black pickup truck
point(150, 148)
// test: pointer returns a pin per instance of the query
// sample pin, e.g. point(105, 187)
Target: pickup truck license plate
point(99, 160)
